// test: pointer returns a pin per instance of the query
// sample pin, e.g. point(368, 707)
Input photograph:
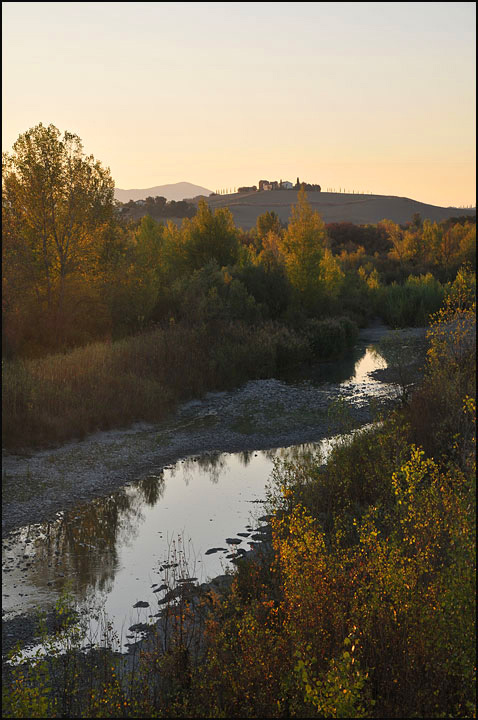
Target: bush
point(329, 338)
point(410, 304)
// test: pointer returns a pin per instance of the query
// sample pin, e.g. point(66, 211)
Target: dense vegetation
point(364, 603)
point(101, 302)
point(74, 272)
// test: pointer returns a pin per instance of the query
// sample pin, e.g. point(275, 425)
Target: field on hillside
point(333, 207)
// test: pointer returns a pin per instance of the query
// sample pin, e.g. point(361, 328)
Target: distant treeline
point(157, 207)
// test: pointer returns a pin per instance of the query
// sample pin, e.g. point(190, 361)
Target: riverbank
point(103, 386)
point(371, 580)
point(260, 414)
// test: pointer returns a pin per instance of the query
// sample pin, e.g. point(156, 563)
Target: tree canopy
point(55, 200)
point(77, 267)
point(210, 236)
point(310, 266)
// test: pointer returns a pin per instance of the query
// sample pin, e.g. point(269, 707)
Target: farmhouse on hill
point(286, 185)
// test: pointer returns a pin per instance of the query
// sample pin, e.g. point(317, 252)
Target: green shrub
point(329, 338)
point(410, 304)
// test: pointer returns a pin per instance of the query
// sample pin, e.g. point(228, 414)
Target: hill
point(174, 191)
point(333, 207)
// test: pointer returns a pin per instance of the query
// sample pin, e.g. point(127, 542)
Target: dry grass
point(105, 385)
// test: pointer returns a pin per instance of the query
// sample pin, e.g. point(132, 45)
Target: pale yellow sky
point(373, 97)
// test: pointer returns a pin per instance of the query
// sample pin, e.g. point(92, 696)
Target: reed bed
point(104, 385)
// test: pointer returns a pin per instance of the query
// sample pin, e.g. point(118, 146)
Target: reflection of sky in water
point(201, 505)
point(199, 508)
point(369, 362)
point(112, 548)
point(351, 369)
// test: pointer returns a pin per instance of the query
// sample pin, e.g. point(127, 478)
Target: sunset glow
point(361, 96)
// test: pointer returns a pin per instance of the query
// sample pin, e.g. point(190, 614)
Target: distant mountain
point(175, 191)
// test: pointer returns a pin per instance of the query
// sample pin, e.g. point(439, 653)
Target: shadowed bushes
point(329, 338)
point(410, 304)
point(106, 385)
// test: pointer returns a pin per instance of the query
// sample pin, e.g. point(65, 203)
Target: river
point(119, 518)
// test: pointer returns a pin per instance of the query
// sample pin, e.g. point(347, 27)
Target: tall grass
point(106, 385)
point(410, 304)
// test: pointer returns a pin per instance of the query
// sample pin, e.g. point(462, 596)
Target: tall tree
point(395, 236)
point(267, 222)
point(209, 236)
point(303, 247)
point(55, 199)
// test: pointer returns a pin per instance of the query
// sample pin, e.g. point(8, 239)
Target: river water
point(114, 551)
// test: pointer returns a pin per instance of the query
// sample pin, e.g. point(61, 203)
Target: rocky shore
point(261, 414)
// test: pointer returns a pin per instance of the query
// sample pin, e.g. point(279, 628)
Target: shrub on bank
point(331, 337)
point(410, 304)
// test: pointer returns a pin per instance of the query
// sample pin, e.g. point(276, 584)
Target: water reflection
point(81, 546)
point(114, 546)
point(295, 453)
point(245, 457)
point(215, 465)
point(86, 547)
point(370, 360)
point(333, 371)
point(152, 488)
point(211, 465)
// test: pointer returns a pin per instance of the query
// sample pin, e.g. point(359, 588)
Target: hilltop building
point(307, 186)
point(286, 185)
point(279, 185)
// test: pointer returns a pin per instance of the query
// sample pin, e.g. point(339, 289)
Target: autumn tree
point(270, 256)
point(146, 269)
point(209, 237)
point(449, 244)
point(396, 238)
point(303, 245)
point(456, 245)
point(266, 223)
point(468, 244)
point(55, 200)
point(311, 268)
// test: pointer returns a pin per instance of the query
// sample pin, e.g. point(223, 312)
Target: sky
point(365, 97)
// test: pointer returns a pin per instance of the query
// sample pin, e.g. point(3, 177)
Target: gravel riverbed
point(259, 415)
